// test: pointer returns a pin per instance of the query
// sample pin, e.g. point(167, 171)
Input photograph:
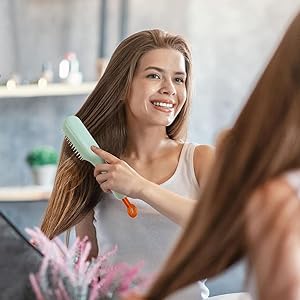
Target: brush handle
point(118, 196)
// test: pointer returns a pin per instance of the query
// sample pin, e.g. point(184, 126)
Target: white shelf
point(25, 193)
point(53, 89)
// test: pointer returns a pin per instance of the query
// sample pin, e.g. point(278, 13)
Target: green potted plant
point(43, 162)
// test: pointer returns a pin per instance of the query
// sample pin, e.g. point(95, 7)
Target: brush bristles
point(78, 155)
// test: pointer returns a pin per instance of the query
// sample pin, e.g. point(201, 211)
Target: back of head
point(264, 143)
point(76, 191)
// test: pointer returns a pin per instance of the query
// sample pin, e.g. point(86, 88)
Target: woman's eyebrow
point(162, 70)
point(155, 68)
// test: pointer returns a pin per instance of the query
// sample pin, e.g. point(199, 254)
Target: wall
point(231, 41)
point(26, 123)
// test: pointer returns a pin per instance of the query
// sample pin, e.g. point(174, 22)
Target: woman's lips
point(164, 106)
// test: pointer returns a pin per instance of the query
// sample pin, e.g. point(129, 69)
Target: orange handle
point(131, 208)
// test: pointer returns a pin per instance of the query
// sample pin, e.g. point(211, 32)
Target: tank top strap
point(184, 181)
point(189, 163)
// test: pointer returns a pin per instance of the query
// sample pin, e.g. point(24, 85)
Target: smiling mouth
point(163, 104)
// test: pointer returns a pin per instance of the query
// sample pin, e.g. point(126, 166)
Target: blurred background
point(50, 55)
point(231, 41)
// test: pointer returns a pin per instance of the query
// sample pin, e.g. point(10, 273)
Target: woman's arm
point(118, 176)
point(86, 228)
point(273, 236)
point(173, 206)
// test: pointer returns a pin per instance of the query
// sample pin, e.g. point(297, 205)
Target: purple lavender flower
point(66, 274)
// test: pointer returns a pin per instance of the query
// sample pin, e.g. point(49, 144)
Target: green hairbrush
point(81, 141)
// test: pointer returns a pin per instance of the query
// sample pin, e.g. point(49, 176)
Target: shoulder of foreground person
point(272, 190)
point(266, 198)
point(273, 230)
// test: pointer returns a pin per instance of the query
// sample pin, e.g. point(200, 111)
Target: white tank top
point(293, 179)
point(150, 236)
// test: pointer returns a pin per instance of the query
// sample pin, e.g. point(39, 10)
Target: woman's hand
point(116, 175)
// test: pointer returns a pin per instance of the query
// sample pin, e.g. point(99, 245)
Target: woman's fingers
point(101, 178)
point(101, 169)
point(105, 187)
point(108, 157)
point(106, 175)
point(116, 174)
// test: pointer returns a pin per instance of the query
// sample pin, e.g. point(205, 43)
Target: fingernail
point(94, 147)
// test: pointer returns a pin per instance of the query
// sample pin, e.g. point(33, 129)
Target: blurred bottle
point(69, 69)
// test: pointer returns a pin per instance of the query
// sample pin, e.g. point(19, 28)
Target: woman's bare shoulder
point(272, 235)
point(267, 203)
point(276, 188)
point(203, 159)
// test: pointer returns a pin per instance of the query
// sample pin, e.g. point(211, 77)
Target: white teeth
point(163, 104)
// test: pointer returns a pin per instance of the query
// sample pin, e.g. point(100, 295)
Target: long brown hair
point(264, 143)
point(75, 190)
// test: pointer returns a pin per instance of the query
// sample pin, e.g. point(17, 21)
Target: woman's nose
point(168, 88)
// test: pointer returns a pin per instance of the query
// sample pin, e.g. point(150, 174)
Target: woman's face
point(158, 89)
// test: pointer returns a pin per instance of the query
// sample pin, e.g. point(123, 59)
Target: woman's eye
point(153, 76)
point(179, 80)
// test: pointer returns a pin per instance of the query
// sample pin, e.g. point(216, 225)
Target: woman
point(138, 112)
